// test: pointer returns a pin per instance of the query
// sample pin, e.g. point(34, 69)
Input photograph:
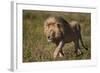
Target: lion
point(59, 31)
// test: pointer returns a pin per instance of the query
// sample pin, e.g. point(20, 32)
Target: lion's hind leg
point(77, 48)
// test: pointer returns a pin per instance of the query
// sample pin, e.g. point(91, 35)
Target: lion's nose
point(48, 37)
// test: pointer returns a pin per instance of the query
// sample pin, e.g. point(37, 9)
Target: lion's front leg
point(58, 49)
point(61, 53)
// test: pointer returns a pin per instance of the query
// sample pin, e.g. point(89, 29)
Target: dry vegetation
point(35, 46)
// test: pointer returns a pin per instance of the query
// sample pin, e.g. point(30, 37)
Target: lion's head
point(52, 29)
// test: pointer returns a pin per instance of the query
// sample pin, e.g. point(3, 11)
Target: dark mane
point(61, 20)
point(64, 24)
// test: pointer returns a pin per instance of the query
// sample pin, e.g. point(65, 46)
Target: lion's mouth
point(50, 40)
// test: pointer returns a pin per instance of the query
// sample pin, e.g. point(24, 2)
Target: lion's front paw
point(61, 54)
point(55, 55)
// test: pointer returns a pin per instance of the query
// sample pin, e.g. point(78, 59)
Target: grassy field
point(35, 46)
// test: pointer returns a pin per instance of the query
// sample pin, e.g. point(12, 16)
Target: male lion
point(59, 31)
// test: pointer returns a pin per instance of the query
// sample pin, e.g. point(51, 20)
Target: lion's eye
point(48, 24)
point(58, 25)
point(51, 23)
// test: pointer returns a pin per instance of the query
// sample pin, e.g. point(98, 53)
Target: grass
point(35, 46)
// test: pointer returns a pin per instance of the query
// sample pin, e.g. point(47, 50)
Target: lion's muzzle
point(50, 39)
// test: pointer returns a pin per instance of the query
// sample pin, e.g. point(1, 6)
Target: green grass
point(35, 46)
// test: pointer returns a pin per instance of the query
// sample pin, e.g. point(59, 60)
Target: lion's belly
point(68, 40)
point(71, 37)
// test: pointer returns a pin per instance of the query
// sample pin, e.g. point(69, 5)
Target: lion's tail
point(82, 42)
